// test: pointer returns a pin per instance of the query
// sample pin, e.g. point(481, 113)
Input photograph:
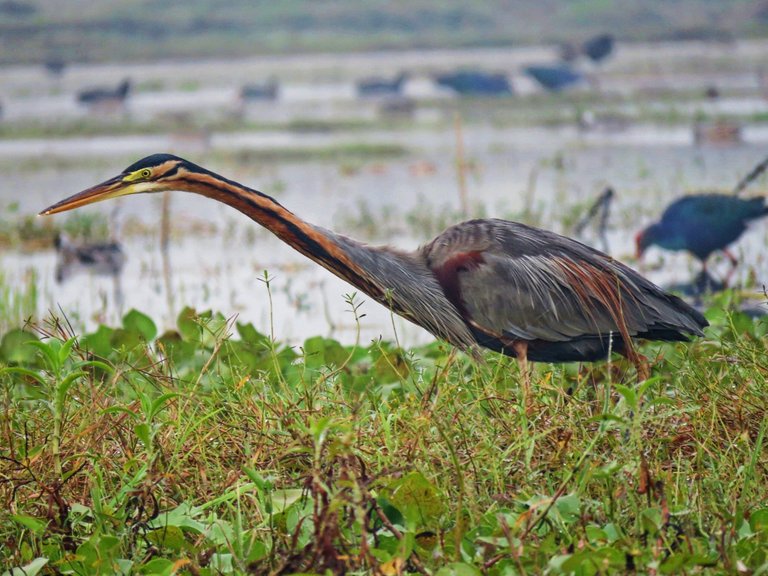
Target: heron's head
point(151, 174)
point(644, 239)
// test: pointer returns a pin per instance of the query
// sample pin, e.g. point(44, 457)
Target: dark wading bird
point(515, 289)
point(93, 96)
point(377, 86)
point(599, 47)
point(475, 83)
point(554, 78)
point(101, 258)
point(702, 224)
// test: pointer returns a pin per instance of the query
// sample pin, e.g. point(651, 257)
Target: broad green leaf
point(183, 516)
point(135, 321)
point(157, 566)
point(458, 569)
point(31, 569)
point(171, 537)
point(416, 498)
point(596, 535)
point(176, 348)
point(256, 550)
point(742, 324)
point(14, 347)
point(222, 563)
point(143, 432)
point(99, 342)
point(34, 525)
point(283, 499)
point(188, 325)
point(392, 513)
point(758, 520)
point(651, 520)
point(672, 564)
point(250, 335)
point(569, 507)
point(390, 366)
point(322, 352)
point(629, 394)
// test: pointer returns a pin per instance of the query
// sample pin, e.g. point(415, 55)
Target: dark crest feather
point(151, 161)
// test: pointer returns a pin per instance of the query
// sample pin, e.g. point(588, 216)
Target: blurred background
point(383, 120)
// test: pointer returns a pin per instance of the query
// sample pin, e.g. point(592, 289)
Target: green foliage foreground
point(125, 452)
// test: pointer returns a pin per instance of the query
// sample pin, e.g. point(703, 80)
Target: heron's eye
point(146, 173)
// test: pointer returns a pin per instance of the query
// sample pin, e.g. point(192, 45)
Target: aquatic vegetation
point(31, 233)
point(17, 302)
point(213, 449)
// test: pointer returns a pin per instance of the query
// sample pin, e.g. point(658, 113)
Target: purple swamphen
point(702, 224)
point(554, 78)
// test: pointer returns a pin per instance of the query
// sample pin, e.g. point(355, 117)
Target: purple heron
point(519, 290)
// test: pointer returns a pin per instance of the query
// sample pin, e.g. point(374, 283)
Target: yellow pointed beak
point(112, 188)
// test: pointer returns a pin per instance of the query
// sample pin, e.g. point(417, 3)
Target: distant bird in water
point(266, 91)
point(97, 96)
point(104, 259)
point(596, 48)
point(521, 291)
point(702, 224)
point(555, 78)
point(55, 66)
point(599, 47)
point(376, 86)
point(475, 83)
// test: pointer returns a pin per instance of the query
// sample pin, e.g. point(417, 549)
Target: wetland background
point(379, 172)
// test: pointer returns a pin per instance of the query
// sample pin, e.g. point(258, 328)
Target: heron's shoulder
point(503, 238)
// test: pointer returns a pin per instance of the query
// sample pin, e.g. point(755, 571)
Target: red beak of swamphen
point(640, 244)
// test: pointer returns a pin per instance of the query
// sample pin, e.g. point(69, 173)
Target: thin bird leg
point(734, 261)
point(639, 361)
point(521, 353)
point(642, 368)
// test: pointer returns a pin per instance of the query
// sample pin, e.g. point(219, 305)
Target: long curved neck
point(400, 281)
point(314, 242)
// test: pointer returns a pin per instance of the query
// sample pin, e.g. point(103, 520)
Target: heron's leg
point(639, 361)
point(521, 353)
point(642, 368)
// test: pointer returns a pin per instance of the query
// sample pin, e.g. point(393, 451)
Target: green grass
point(192, 452)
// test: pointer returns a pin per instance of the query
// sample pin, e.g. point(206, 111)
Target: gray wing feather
point(530, 299)
point(535, 284)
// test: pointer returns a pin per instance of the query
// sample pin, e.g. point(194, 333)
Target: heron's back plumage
point(568, 301)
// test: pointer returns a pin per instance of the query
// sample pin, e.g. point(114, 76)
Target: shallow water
point(218, 256)
point(222, 270)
